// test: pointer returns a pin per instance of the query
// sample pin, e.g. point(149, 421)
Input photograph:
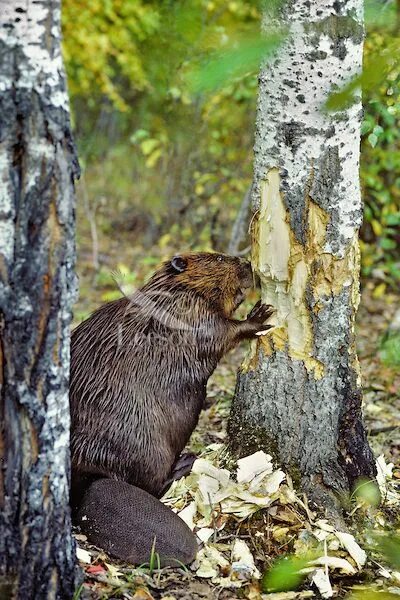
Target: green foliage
point(284, 575)
point(78, 592)
point(163, 96)
point(242, 57)
point(367, 493)
point(154, 560)
point(380, 149)
point(390, 350)
point(102, 46)
point(372, 595)
point(389, 548)
point(150, 142)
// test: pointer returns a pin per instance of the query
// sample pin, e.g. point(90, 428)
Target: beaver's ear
point(179, 264)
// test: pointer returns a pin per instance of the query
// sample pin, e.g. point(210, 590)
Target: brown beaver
point(139, 370)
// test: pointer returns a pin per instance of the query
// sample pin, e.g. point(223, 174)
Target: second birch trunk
point(299, 393)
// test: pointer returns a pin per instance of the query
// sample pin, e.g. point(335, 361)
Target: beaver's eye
point(220, 258)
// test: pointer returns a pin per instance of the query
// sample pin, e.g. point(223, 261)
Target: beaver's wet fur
point(139, 370)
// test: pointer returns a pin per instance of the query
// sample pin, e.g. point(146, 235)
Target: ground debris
point(247, 519)
point(236, 517)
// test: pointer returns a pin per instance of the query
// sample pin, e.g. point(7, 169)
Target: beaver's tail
point(130, 524)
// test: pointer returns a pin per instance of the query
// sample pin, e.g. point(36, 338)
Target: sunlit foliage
point(146, 138)
point(380, 151)
point(163, 97)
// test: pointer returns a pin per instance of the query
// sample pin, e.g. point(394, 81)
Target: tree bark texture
point(299, 394)
point(37, 288)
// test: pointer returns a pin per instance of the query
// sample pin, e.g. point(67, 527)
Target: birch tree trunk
point(298, 395)
point(37, 288)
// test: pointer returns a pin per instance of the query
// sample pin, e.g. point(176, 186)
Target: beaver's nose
point(246, 273)
point(245, 264)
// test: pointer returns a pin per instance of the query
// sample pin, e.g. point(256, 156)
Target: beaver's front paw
point(260, 312)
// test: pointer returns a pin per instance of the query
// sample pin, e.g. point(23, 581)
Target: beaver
point(139, 370)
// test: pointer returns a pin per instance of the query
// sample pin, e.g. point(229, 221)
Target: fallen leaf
point(324, 525)
point(210, 559)
point(254, 465)
point(384, 470)
point(279, 534)
point(142, 594)
point(334, 562)
point(204, 534)
point(114, 572)
point(187, 515)
point(356, 552)
point(321, 580)
point(242, 561)
point(201, 466)
point(83, 555)
point(272, 483)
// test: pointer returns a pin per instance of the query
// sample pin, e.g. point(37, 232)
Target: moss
point(7, 587)
point(246, 438)
point(338, 28)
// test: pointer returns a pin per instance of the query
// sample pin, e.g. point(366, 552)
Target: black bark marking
point(327, 176)
point(292, 135)
point(340, 28)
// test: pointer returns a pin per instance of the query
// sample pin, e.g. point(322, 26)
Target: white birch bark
point(299, 393)
point(37, 289)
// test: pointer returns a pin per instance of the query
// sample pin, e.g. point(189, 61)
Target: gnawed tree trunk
point(37, 288)
point(298, 395)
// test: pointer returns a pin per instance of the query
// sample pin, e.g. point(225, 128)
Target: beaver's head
point(219, 278)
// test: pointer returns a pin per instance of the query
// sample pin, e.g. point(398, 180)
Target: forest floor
point(247, 540)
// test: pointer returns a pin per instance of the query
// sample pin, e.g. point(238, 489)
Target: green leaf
point(111, 295)
point(284, 575)
point(389, 546)
point(387, 244)
point(148, 146)
point(390, 355)
point(243, 57)
point(379, 14)
point(393, 219)
point(374, 73)
point(139, 135)
point(367, 492)
point(378, 130)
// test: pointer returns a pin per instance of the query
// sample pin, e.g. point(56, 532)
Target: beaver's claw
point(260, 313)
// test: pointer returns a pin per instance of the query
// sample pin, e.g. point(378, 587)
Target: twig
point(92, 222)
point(239, 227)
point(383, 429)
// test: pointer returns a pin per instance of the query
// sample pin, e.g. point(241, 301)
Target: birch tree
point(299, 393)
point(37, 254)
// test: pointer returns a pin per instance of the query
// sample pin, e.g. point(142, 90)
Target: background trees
point(153, 145)
point(37, 288)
